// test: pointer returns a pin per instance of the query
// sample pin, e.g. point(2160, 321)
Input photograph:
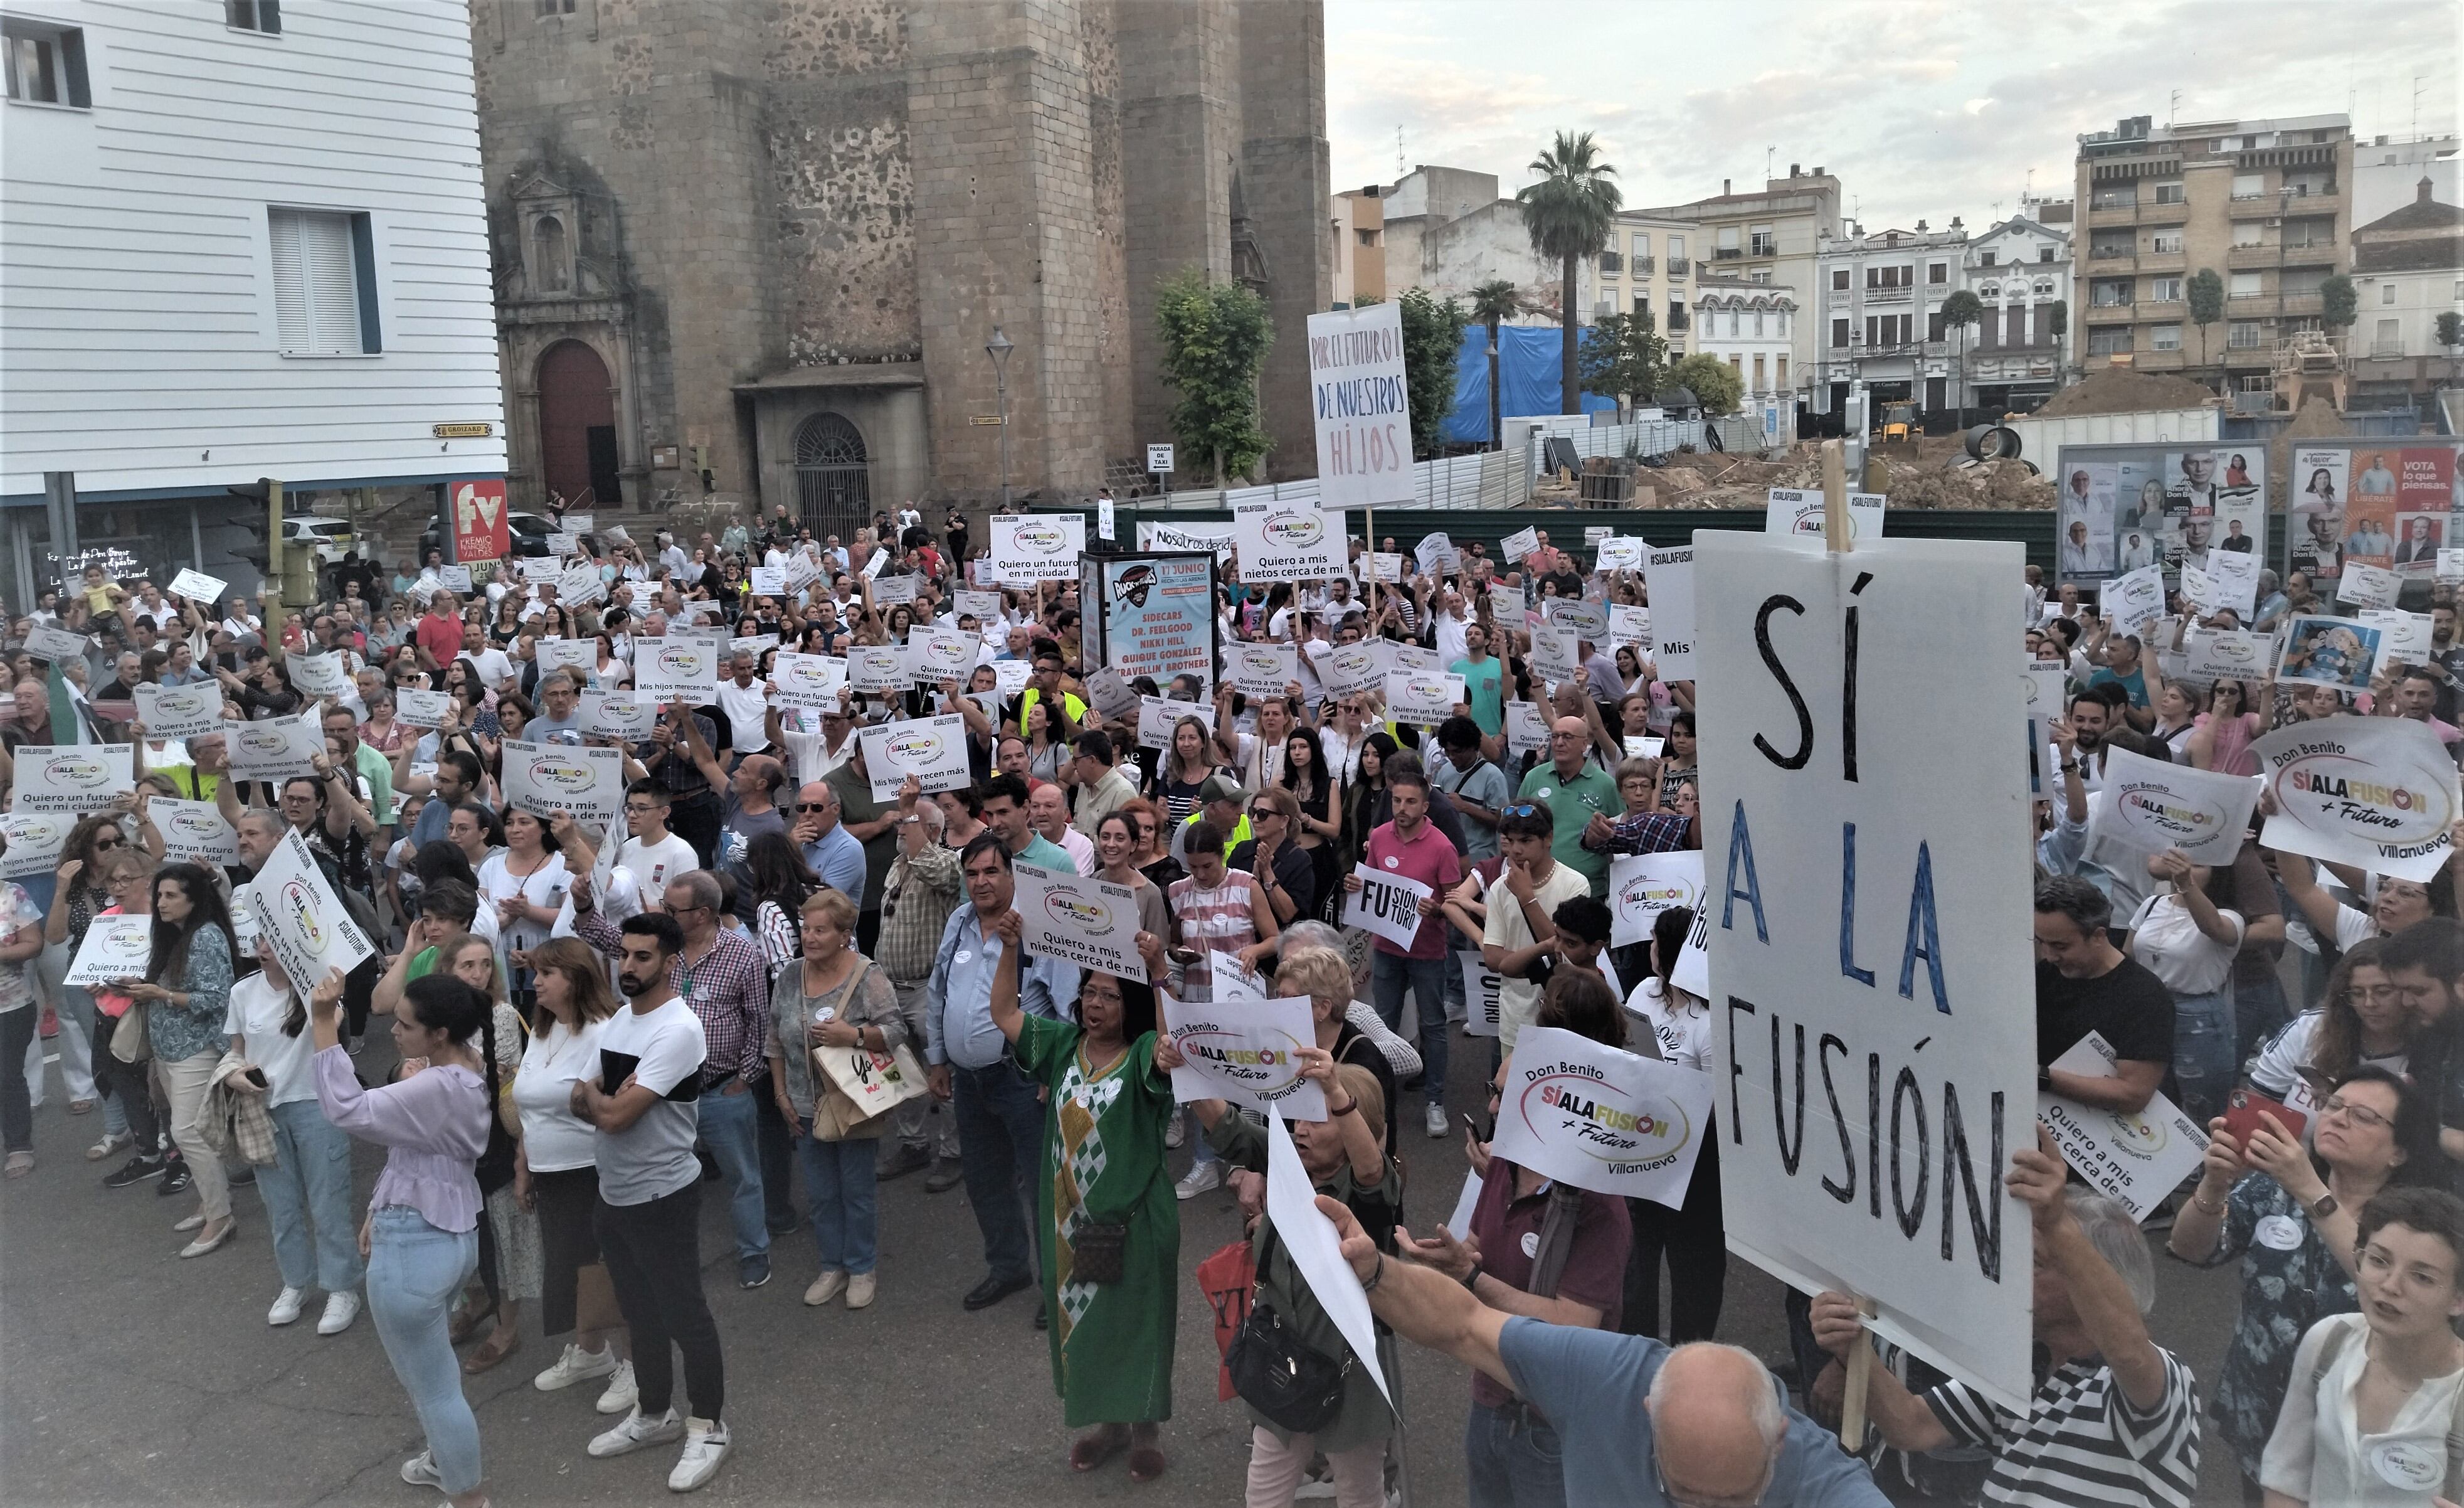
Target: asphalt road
point(128, 1376)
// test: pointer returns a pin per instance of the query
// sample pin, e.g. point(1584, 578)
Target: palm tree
point(1493, 304)
point(1568, 214)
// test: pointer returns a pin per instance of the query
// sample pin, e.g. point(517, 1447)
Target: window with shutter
point(317, 283)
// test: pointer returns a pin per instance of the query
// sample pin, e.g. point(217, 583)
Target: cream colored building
point(1772, 235)
point(1752, 325)
point(1649, 265)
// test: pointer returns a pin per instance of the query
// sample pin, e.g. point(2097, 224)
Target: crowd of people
point(587, 1026)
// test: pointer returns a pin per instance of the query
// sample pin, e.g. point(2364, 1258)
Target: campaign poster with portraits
point(2216, 498)
point(2392, 504)
point(2313, 514)
point(2124, 507)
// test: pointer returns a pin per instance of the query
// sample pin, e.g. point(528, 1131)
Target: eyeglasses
point(1770, 1470)
point(2363, 1114)
point(812, 805)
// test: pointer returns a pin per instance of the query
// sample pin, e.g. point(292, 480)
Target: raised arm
point(1004, 1002)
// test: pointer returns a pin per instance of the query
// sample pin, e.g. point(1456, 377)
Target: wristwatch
point(2326, 1207)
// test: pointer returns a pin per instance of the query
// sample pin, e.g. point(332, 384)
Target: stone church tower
point(758, 247)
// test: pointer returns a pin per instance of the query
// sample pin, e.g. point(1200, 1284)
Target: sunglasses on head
point(1525, 809)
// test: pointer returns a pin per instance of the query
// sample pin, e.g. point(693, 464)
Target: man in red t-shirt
point(440, 632)
point(1411, 846)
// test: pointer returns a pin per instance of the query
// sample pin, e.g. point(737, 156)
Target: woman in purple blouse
point(422, 1233)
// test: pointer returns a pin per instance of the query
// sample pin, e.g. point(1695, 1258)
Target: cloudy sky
point(1923, 108)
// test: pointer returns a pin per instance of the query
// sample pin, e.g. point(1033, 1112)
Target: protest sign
point(579, 522)
point(1479, 993)
point(2236, 579)
point(1158, 617)
point(179, 712)
point(1285, 542)
point(2451, 566)
point(981, 606)
point(1379, 566)
point(1585, 620)
point(563, 544)
point(1437, 556)
point(1227, 978)
point(317, 675)
point(931, 749)
point(1669, 578)
point(2328, 652)
point(1868, 931)
point(2379, 793)
point(1028, 547)
point(1519, 544)
point(1158, 715)
point(1214, 538)
point(45, 642)
point(2150, 808)
point(1078, 919)
point(1010, 677)
point(1105, 516)
point(2134, 1157)
point(1362, 408)
point(1629, 624)
point(2227, 655)
point(876, 670)
point(1526, 728)
point(1262, 670)
point(2201, 590)
point(2367, 585)
point(454, 578)
point(937, 654)
point(578, 584)
point(581, 655)
point(267, 750)
point(197, 586)
point(891, 591)
point(1600, 1118)
point(1351, 668)
point(677, 669)
point(1246, 1052)
point(1797, 512)
point(422, 709)
point(1385, 906)
point(1316, 1250)
point(195, 831)
point(800, 571)
point(1643, 885)
point(545, 778)
point(1421, 698)
point(811, 681)
point(1109, 694)
point(36, 839)
point(1620, 553)
point(1506, 605)
point(2135, 601)
point(1554, 658)
point(2404, 638)
point(626, 715)
point(767, 581)
point(74, 779)
point(114, 948)
point(311, 932)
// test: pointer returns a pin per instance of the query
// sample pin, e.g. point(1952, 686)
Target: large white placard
point(1868, 931)
point(1797, 512)
point(1518, 546)
point(2236, 578)
point(1584, 619)
point(1629, 624)
point(1555, 658)
point(2229, 654)
point(2149, 807)
point(2135, 601)
point(1422, 698)
point(197, 586)
point(893, 591)
point(1214, 537)
point(983, 607)
point(767, 581)
point(1262, 670)
point(1078, 919)
point(545, 778)
point(2376, 792)
point(1527, 728)
point(1316, 1248)
point(454, 578)
point(931, 749)
point(1158, 715)
point(1643, 885)
point(2137, 1159)
point(876, 670)
point(581, 655)
point(179, 712)
point(2367, 585)
point(114, 948)
point(45, 642)
point(299, 913)
point(193, 831)
point(2404, 638)
point(1347, 669)
point(1287, 542)
point(36, 839)
point(73, 779)
point(1479, 993)
point(422, 709)
point(1029, 547)
point(1620, 552)
point(1385, 906)
point(675, 669)
point(1669, 578)
point(810, 681)
point(274, 748)
point(1362, 408)
point(2328, 652)
point(317, 675)
point(1246, 1051)
point(939, 655)
point(1600, 1118)
point(626, 715)
point(1106, 692)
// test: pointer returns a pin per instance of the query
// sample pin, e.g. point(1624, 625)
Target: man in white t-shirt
point(671, 555)
point(1451, 625)
point(653, 855)
point(1521, 907)
point(747, 703)
point(491, 662)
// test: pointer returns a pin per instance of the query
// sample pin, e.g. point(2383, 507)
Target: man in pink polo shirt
point(1412, 848)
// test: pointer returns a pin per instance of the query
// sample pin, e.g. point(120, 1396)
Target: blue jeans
point(1389, 973)
point(731, 1127)
point(1511, 1459)
point(2205, 1060)
point(414, 1273)
point(1000, 1152)
point(310, 1184)
point(839, 1185)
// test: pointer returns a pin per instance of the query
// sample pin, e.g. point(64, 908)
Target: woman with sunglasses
point(2289, 1216)
point(76, 893)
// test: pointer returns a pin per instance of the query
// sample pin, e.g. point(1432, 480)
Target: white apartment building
point(1752, 325)
point(1771, 235)
point(2387, 172)
point(240, 239)
point(2408, 270)
point(1881, 315)
point(2020, 270)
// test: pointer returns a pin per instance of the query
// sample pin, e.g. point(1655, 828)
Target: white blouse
point(2319, 1453)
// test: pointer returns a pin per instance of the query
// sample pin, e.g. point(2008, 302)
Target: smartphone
point(257, 1077)
point(1472, 1124)
point(2243, 1108)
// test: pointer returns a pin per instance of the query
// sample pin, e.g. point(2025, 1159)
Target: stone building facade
point(758, 248)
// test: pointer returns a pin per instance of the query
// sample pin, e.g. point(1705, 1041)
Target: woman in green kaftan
point(1104, 1123)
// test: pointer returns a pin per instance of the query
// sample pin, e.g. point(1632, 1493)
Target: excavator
point(1897, 426)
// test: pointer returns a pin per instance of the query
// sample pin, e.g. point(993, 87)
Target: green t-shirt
point(1485, 688)
point(1571, 804)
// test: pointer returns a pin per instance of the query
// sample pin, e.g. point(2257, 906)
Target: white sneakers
point(621, 1393)
point(420, 1471)
point(1200, 1177)
point(1436, 1120)
point(341, 1309)
point(287, 1305)
point(833, 1282)
point(860, 1290)
point(706, 1445)
point(574, 1366)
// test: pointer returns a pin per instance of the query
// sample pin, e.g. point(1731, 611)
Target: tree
point(1432, 332)
point(1717, 385)
point(1958, 311)
point(2339, 304)
point(2449, 332)
point(1215, 338)
point(2207, 298)
point(1493, 304)
point(1624, 358)
point(1568, 214)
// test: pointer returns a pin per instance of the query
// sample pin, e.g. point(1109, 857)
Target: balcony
point(2163, 262)
point(2112, 214)
point(2164, 214)
point(1677, 266)
point(1642, 266)
point(1611, 264)
point(2263, 254)
point(1762, 246)
point(2267, 206)
point(1880, 294)
point(2122, 313)
point(2295, 303)
point(2321, 253)
point(2101, 253)
point(2158, 362)
point(2386, 350)
point(1678, 324)
point(1726, 253)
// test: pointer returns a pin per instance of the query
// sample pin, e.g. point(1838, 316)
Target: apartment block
point(1647, 267)
point(1771, 235)
point(1881, 296)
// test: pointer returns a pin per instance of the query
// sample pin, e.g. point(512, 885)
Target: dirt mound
point(2117, 390)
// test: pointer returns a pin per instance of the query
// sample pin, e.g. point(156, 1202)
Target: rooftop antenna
point(2418, 84)
point(1772, 153)
point(1398, 154)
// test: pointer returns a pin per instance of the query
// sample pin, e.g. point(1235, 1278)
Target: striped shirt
point(1218, 921)
point(2082, 1441)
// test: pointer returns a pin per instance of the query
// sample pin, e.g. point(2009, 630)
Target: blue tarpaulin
point(1529, 372)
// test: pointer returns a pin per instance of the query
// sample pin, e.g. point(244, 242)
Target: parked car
point(332, 537)
point(527, 532)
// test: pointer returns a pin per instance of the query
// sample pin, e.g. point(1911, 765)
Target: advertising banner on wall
point(481, 528)
point(2127, 507)
point(2370, 502)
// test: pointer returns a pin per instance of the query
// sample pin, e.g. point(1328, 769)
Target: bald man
point(830, 851)
point(1638, 1423)
point(752, 809)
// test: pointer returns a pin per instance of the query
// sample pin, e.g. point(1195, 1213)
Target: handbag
point(1297, 1386)
point(1099, 1250)
point(1229, 1280)
point(130, 1042)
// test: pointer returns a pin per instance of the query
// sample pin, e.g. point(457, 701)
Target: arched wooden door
point(578, 426)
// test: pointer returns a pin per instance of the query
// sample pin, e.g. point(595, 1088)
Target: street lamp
point(999, 348)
